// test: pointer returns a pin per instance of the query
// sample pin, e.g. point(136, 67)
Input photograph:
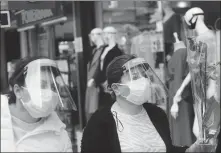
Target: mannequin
point(92, 90)
point(177, 70)
point(110, 52)
point(205, 40)
point(97, 40)
point(110, 40)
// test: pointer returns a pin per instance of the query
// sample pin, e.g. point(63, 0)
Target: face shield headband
point(193, 25)
point(45, 85)
point(144, 80)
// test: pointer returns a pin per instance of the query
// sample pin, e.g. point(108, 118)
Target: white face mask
point(140, 91)
point(49, 103)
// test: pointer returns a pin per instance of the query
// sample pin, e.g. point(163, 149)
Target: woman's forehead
point(137, 68)
point(42, 75)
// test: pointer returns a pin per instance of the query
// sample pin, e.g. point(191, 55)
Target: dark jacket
point(114, 52)
point(92, 93)
point(100, 134)
point(93, 65)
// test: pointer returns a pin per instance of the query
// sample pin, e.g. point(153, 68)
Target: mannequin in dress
point(202, 46)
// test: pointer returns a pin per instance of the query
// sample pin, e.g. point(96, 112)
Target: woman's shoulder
point(101, 114)
point(100, 119)
point(153, 109)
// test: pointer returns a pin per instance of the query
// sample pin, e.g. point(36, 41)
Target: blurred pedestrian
point(29, 122)
point(93, 72)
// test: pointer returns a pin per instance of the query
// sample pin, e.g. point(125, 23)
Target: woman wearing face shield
point(133, 123)
point(28, 119)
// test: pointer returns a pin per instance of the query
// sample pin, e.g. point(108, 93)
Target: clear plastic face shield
point(45, 85)
point(143, 83)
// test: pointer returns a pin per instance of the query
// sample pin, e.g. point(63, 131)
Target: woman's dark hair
point(18, 76)
point(114, 70)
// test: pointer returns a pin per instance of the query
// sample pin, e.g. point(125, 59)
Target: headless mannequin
point(178, 44)
point(200, 28)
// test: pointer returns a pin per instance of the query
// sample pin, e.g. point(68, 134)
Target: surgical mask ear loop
point(114, 90)
point(22, 102)
point(118, 121)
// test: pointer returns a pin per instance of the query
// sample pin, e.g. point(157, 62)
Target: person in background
point(110, 52)
point(29, 122)
point(92, 91)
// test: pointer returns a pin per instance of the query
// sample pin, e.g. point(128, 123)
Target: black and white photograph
point(110, 76)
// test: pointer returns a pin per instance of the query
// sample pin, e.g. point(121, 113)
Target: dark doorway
point(12, 45)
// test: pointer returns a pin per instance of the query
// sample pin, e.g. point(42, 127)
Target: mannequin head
point(109, 35)
point(193, 17)
point(96, 37)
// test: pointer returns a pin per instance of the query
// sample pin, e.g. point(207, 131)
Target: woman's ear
point(17, 91)
point(115, 88)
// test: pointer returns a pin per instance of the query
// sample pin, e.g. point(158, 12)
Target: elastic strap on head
point(198, 14)
point(215, 25)
point(195, 15)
